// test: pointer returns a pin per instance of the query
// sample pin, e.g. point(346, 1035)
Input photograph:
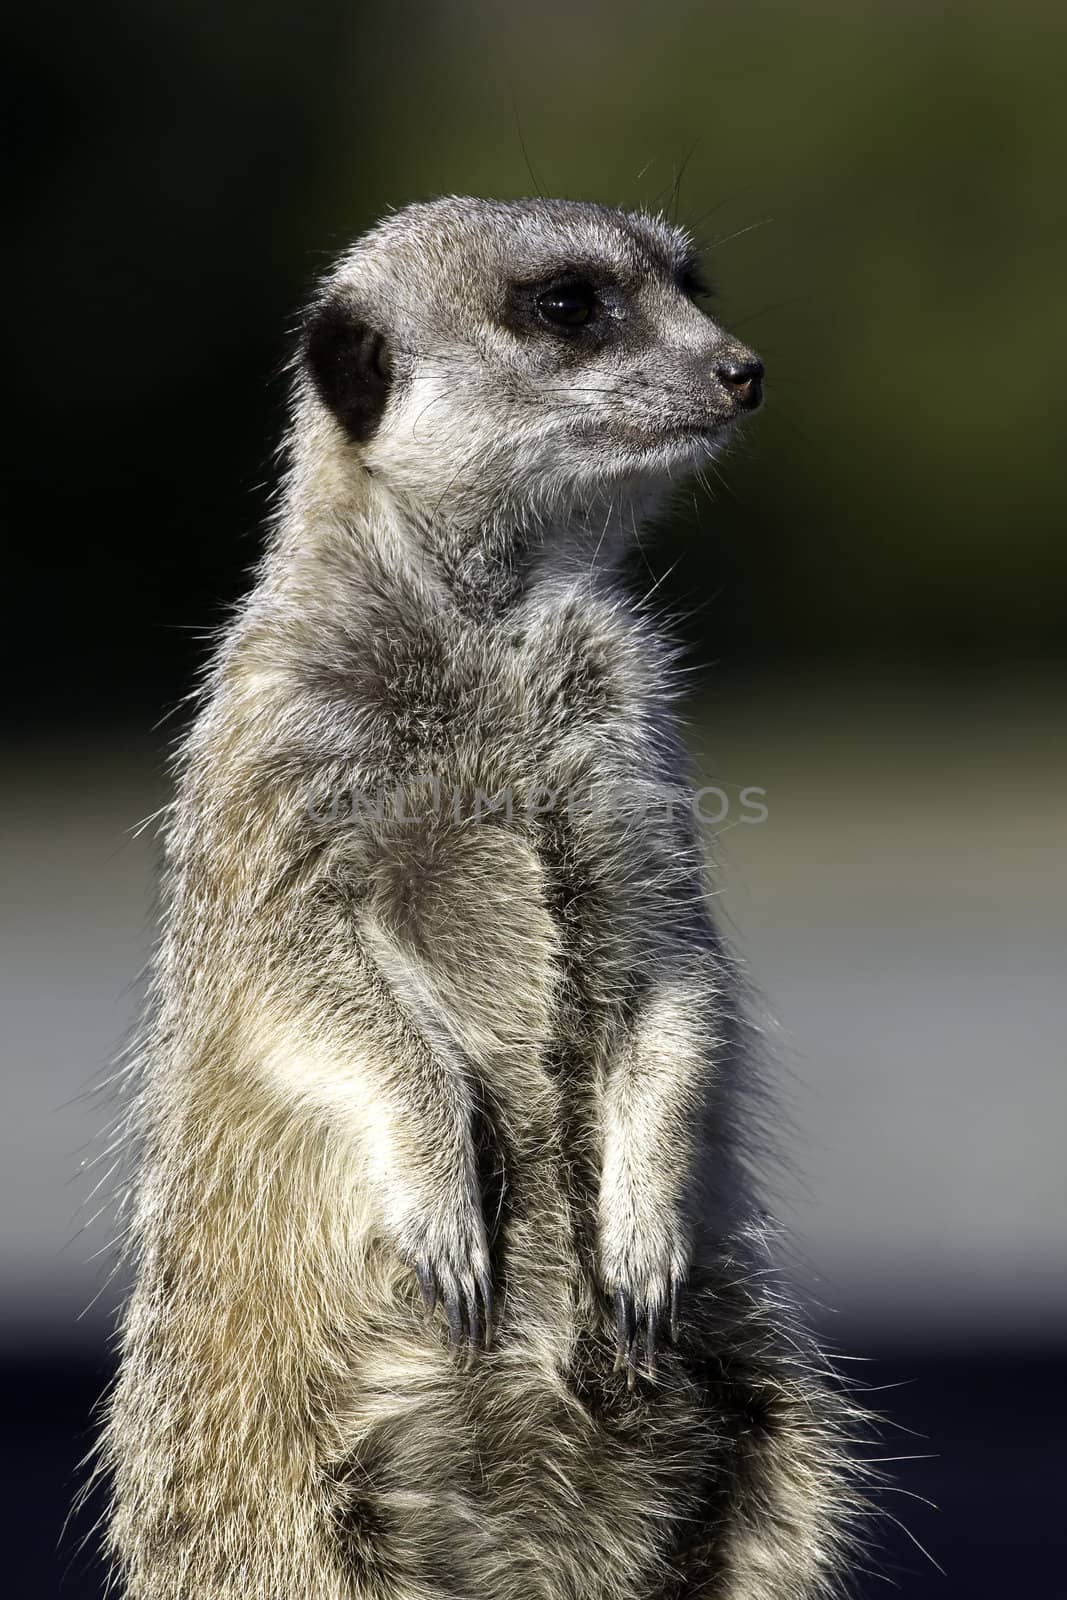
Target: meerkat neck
point(476, 561)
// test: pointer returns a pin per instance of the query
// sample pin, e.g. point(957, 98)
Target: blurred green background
point(879, 188)
point(873, 601)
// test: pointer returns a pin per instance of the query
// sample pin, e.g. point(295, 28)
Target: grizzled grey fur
point(448, 1282)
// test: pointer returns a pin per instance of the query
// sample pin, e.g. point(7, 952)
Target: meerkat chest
point(544, 732)
point(559, 694)
point(584, 776)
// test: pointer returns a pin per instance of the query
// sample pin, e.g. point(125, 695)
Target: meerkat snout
point(742, 378)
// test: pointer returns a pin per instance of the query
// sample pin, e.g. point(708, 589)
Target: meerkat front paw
point(450, 1255)
point(645, 1273)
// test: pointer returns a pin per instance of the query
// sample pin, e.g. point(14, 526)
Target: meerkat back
point(447, 1279)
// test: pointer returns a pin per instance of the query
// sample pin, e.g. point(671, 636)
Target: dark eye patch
point(578, 305)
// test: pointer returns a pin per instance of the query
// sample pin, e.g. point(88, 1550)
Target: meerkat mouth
point(688, 434)
point(668, 433)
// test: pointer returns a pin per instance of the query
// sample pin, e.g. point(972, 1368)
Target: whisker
point(739, 233)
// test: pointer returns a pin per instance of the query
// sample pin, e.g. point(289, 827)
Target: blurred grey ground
point(902, 909)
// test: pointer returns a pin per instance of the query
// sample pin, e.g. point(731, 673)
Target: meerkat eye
point(568, 305)
point(694, 285)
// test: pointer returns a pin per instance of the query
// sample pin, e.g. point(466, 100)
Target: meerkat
point(449, 1284)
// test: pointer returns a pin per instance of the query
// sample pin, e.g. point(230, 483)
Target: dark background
point(873, 600)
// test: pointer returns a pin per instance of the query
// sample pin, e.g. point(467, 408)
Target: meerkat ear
point(350, 366)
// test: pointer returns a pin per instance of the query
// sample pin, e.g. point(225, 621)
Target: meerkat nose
point(743, 380)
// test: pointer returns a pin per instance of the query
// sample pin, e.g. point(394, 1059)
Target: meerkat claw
point(486, 1290)
point(633, 1363)
point(470, 1324)
point(651, 1333)
point(474, 1331)
point(676, 1297)
point(624, 1311)
point(640, 1327)
point(427, 1287)
point(454, 1316)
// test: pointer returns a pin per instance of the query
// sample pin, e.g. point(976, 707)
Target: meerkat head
point(486, 354)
